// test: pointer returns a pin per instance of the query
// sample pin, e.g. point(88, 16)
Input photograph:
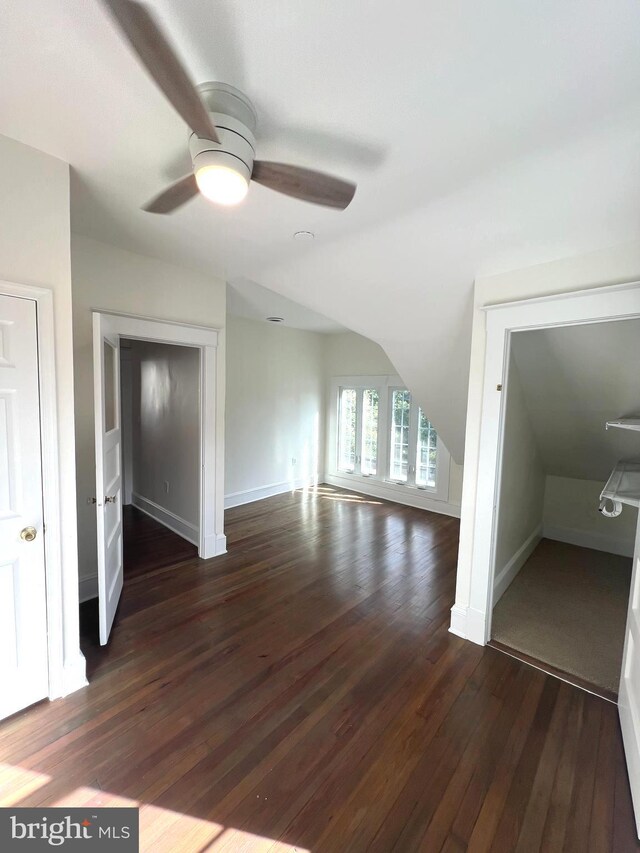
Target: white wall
point(165, 434)
point(522, 484)
point(111, 279)
point(350, 354)
point(34, 250)
point(610, 266)
point(571, 515)
point(274, 409)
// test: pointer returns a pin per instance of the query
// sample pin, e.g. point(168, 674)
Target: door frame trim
point(212, 541)
point(66, 663)
point(596, 305)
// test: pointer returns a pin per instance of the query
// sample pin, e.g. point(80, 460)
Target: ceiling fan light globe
point(222, 184)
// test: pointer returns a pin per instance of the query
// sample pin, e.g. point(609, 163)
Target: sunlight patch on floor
point(16, 783)
point(350, 499)
point(165, 831)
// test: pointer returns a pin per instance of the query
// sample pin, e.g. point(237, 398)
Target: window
point(347, 430)
point(382, 433)
point(358, 431)
point(370, 405)
point(400, 411)
point(427, 451)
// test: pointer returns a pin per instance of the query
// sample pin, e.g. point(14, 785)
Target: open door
point(629, 692)
point(106, 383)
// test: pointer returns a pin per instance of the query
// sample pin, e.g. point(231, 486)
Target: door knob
point(28, 534)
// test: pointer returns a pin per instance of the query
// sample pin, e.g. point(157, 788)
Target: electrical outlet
point(166, 487)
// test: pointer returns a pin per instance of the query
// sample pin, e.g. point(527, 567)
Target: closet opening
point(568, 496)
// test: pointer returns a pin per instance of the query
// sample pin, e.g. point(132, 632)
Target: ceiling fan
point(222, 122)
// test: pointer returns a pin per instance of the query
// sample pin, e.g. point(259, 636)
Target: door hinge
point(498, 387)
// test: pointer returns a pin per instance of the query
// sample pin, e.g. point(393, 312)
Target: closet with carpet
point(569, 491)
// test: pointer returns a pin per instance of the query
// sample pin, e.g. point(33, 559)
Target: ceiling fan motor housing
point(235, 120)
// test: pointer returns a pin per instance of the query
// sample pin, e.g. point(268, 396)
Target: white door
point(106, 380)
point(629, 692)
point(23, 607)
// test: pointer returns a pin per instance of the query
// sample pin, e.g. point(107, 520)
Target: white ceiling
point(247, 299)
point(575, 379)
point(483, 136)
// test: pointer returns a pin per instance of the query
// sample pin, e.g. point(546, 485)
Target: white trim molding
point(468, 624)
point(211, 522)
point(508, 572)
point(88, 588)
point(261, 492)
point(67, 667)
point(405, 495)
point(590, 539)
point(167, 518)
point(604, 304)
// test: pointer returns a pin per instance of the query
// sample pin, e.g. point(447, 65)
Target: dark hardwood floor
point(303, 692)
point(148, 545)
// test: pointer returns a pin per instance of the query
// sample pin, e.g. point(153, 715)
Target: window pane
point(400, 407)
point(370, 400)
point(347, 430)
point(427, 452)
point(109, 358)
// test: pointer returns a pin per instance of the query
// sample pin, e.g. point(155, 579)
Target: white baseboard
point(169, 519)
point(214, 546)
point(250, 495)
point(74, 676)
point(88, 588)
point(507, 573)
point(409, 497)
point(590, 539)
point(469, 624)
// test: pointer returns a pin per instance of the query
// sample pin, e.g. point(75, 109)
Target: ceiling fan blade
point(149, 42)
point(174, 196)
point(304, 184)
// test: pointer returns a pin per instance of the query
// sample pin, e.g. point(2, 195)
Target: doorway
point(158, 480)
point(562, 566)
point(160, 404)
point(615, 304)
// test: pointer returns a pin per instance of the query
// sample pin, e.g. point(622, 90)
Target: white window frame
point(412, 466)
point(359, 387)
point(385, 385)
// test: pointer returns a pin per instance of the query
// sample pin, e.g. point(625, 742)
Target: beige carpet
point(567, 607)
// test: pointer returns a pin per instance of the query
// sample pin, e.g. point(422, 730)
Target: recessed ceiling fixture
point(304, 235)
point(275, 319)
point(223, 122)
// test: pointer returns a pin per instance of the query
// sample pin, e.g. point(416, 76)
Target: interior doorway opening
point(161, 423)
point(169, 391)
point(562, 552)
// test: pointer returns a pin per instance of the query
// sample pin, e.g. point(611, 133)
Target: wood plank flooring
point(303, 693)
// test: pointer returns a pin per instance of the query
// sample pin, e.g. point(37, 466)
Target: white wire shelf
point(623, 484)
point(625, 423)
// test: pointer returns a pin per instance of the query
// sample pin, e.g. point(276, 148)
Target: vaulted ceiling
point(483, 137)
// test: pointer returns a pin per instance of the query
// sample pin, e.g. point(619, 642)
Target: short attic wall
point(522, 487)
point(571, 515)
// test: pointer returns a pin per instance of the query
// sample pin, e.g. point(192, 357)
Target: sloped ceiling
point(575, 379)
point(483, 137)
point(247, 299)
